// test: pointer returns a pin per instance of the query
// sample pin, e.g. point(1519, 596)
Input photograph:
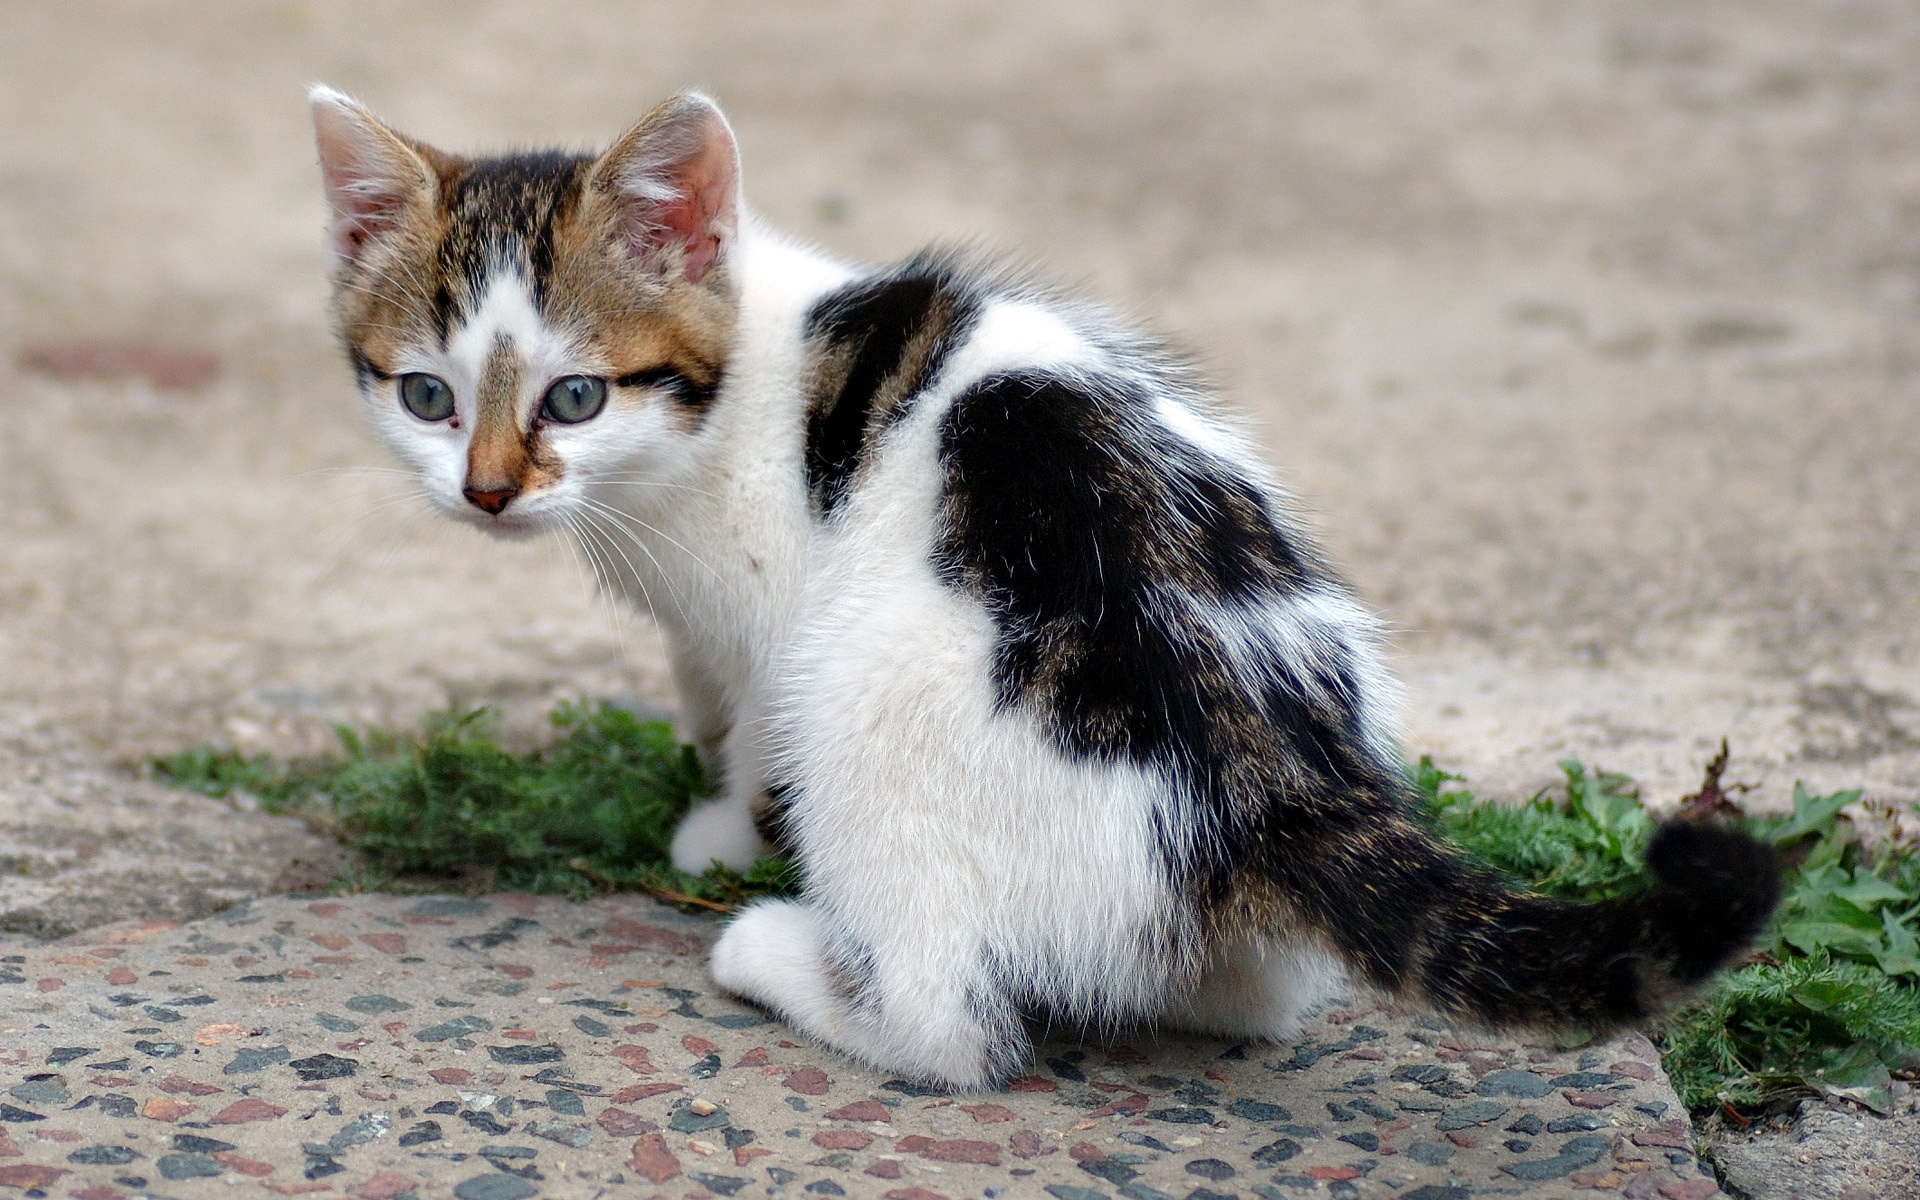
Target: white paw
point(771, 953)
point(718, 829)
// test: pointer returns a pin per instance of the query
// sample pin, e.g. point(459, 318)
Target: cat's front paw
point(719, 829)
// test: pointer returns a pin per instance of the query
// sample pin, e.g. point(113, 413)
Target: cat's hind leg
point(1253, 987)
point(929, 1015)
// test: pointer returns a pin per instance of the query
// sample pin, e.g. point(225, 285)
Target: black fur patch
point(876, 345)
point(1092, 532)
point(501, 212)
point(364, 371)
point(1107, 549)
point(687, 391)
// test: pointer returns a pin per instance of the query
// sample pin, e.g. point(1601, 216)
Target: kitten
point(978, 604)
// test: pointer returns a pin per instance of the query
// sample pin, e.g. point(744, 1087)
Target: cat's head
point(522, 325)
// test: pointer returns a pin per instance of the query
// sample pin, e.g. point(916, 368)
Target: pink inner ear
point(363, 211)
point(684, 224)
point(369, 174)
point(680, 208)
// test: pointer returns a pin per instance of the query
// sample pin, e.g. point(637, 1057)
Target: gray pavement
point(500, 1048)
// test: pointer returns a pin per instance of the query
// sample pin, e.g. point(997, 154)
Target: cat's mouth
point(511, 522)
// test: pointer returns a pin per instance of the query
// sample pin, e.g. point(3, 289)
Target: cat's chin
point(509, 525)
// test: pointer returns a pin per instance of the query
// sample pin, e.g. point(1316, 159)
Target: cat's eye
point(574, 399)
point(426, 396)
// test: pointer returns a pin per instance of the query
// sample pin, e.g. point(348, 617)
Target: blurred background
point(1586, 331)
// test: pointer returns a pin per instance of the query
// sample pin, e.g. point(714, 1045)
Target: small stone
point(1577, 1123)
point(651, 1158)
point(1478, 1113)
point(187, 1166)
point(1523, 1085)
point(324, 1066)
point(101, 1156)
point(1182, 1115)
point(1576, 1152)
point(362, 1129)
point(246, 1062)
point(460, 1026)
point(189, 1143)
point(496, 1187)
point(159, 1108)
point(1274, 1153)
point(618, 1122)
point(1211, 1168)
point(30, 1175)
point(520, 1056)
point(243, 1112)
point(873, 1110)
point(564, 1132)
point(1255, 1110)
point(375, 1004)
point(808, 1081)
point(702, 1108)
point(685, 1120)
point(160, 1049)
point(485, 1122)
point(962, 1150)
point(1582, 1080)
point(1431, 1154)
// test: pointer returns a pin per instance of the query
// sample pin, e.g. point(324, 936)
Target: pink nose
point(492, 502)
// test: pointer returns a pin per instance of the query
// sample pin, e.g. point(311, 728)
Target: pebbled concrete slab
point(83, 844)
point(1826, 1154)
point(379, 1047)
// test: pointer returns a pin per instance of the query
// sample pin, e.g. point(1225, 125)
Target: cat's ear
point(371, 174)
point(674, 180)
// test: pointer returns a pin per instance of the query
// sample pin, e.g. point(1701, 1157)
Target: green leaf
point(1820, 994)
point(1858, 1074)
point(1811, 935)
point(1868, 891)
point(1811, 814)
point(1902, 953)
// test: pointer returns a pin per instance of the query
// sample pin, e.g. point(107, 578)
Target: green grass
point(594, 810)
point(1830, 1003)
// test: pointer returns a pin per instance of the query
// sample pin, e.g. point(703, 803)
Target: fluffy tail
point(1453, 936)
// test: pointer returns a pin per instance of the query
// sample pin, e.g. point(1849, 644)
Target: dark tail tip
point(1716, 889)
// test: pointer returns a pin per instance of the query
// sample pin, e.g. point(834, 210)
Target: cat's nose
point(494, 502)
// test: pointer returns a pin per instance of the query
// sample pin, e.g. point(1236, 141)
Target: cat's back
point(1020, 457)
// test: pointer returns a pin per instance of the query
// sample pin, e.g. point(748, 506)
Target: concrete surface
point(1587, 331)
point(1825, 1154)
point(497, 1049)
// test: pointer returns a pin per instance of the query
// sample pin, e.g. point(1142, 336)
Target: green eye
point(426, 397)
point(574, 399)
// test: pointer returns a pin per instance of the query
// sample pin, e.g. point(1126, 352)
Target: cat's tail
point(1451, 935)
